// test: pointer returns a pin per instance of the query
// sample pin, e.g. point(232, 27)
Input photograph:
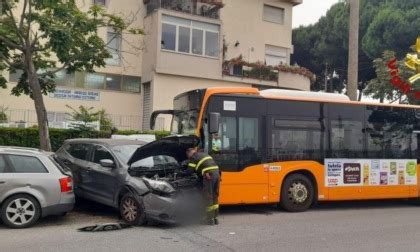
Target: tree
point(3, 115)
point(395, 26)
point(326, 42)
point(381, 87)
point(353, 62)
point(87, 115)
point(40, 38)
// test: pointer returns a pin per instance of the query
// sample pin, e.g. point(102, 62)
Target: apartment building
point(188, 44)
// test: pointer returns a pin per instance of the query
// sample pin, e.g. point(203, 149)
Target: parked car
point(32, 185)
point(144, 181)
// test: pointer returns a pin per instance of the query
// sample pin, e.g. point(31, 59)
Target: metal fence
point(27, 118)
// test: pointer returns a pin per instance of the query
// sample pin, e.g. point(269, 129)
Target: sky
point(310, 11)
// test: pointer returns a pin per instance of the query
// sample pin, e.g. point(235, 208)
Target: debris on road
point(104, 227)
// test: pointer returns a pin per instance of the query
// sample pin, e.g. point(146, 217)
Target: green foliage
point(39, 38)
point(3, 115)
point(84, 114)
point(384, 25)
point(29, 137)
point(104, 120)
point(158, 134)
point(88, 115)
point(66, 37)
point(395, 26)
point(381, 87)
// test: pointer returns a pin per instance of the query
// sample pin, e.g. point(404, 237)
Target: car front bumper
point(174, 209)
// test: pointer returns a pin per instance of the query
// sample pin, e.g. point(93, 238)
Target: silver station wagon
point(32, 185)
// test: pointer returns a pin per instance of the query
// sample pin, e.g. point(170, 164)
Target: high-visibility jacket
point(202, 163)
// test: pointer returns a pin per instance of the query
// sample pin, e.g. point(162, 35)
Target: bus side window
point(346, 138)
point(415, 145)
point(296, 140)
point(389, 132)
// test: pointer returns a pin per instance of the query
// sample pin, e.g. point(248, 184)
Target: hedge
point(28, 137)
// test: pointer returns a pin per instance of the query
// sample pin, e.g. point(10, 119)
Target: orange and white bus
point(295, 148)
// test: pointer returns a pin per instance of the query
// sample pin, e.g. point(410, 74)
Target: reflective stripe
point(202, 161)
point(209, 169)
point(212, 208)
point(191, 165)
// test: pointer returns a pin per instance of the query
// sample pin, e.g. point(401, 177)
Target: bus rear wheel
point(297, 193)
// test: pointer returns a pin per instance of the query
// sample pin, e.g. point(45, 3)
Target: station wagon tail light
point(66, 184)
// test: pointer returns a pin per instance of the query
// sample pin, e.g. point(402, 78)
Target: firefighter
point(208, 172)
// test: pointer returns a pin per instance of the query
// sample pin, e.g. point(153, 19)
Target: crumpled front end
point(183, 206)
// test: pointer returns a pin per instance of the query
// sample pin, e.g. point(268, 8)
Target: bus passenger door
point(237, 149)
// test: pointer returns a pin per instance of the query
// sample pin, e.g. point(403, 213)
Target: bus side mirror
point(214, 121)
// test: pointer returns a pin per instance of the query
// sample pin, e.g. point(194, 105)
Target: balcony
point(293, 77)
point(204, 8)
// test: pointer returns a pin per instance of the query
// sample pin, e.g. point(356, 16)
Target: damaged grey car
point(144, 181)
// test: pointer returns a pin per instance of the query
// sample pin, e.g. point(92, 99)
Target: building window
point(168, 37)
point(131, 84)
point(114, 41)
point(99, 2)
point(94, 81)
point(273, 14)
point(191, 37)
point(113, 82)
point(184, 39)
point(275, 55)
point(212, 44)
point(14, 77)
point(62, 78)
point(197, 42)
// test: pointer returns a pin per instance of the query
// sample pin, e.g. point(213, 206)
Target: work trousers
point(211, 183)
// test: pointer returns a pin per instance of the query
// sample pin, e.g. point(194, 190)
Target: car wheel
point(132, 210)
point(297, 193)
point(20, 211)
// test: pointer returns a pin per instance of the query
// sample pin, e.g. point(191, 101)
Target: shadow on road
point(321, 206)
point(86, 211)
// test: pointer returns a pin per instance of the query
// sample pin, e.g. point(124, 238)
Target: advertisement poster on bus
point(370, 172)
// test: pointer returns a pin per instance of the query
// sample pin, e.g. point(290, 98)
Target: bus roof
point(283, 94)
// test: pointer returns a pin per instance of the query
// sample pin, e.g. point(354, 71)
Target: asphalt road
point(346, 226)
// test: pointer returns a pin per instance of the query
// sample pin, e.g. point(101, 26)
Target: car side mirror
point(107, 163)
point(214, 121)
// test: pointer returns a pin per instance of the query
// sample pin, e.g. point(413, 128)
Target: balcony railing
point(204, 8)
point(237, 67)
point(251, 72)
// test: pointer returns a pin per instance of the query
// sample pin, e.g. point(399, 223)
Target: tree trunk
point(41, 112)
point(352, 78)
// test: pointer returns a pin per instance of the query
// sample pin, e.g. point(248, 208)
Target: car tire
point(20, 211)
point(297, 193)
point(132, 210)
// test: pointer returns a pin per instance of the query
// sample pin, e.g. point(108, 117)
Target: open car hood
point(173, 146)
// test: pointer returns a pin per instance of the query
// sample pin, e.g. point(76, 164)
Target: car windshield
point(124, 152)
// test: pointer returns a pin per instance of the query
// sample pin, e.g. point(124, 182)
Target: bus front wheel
point(297, 193)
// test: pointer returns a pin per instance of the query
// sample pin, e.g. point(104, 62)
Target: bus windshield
point(186, 109)
point(184, 122)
